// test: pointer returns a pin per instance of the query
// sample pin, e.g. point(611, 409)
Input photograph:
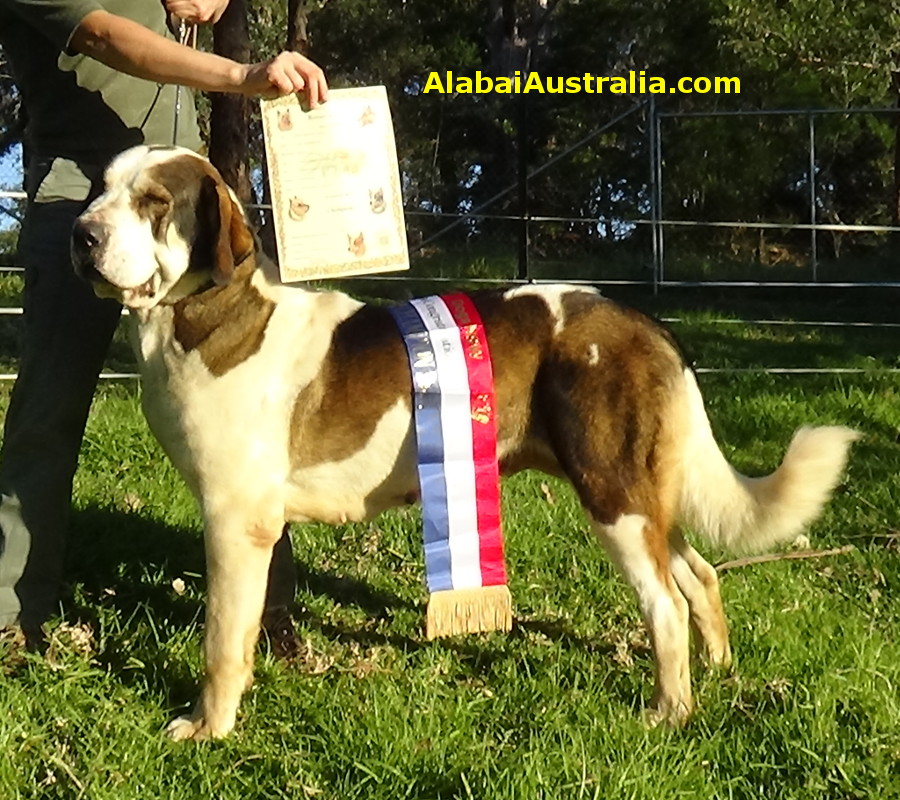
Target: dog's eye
point(152, 202)
point(153, 205)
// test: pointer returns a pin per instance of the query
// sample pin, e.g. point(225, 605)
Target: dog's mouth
point(142, 295)
point(132, 296)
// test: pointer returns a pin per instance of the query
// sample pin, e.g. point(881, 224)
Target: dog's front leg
point(237, 557)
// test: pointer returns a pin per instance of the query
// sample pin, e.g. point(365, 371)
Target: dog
point(279, 403)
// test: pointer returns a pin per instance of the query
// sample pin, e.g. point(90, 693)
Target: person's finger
point(312, 94)
point(322, 89)
point(280, 81)
point(182, 10)
point(287, 73)
point(310, 80)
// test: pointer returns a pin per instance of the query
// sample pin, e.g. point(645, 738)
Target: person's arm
point(135, 50)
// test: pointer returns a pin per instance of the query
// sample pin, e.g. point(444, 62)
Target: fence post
point(655, 193)
point(814, 254)
point(522, 168)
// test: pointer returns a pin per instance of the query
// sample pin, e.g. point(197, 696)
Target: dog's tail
point(741, 513)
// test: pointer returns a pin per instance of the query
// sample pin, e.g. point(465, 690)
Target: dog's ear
point(232, 240)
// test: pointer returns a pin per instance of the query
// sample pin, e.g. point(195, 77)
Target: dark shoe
point(19, 638)
point(36, 640)
point(278, 628)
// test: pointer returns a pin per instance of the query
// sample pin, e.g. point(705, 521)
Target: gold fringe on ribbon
point(456, 611)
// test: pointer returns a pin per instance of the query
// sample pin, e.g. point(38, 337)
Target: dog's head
point(165, 226)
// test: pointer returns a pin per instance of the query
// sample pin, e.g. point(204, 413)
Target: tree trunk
point(229, 113)
point(513, 45)
point(297, 34)
point(895, 193)
point(297, 39)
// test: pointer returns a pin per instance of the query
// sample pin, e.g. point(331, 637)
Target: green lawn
point(371, 709)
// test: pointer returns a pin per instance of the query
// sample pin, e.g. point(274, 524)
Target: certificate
point(335, 185)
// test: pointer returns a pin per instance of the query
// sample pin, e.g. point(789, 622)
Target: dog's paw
point(183, 728)
point(718, 658)
point(673, 715)
point(187, 727)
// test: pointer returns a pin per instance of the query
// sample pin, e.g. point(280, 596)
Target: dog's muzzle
point(87, 244)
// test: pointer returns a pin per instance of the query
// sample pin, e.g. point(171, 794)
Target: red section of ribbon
point(484, 437)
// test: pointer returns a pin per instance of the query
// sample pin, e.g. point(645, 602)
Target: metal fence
point(661, 225)
point(813, 225)
point(654, 272)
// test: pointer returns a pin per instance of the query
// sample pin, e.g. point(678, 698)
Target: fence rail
point(655, 125)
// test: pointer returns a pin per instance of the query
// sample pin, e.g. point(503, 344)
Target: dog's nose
point(87, 237)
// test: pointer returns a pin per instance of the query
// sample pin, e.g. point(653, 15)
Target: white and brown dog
point(279, 403)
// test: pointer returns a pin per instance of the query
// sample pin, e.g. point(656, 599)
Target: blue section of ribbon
point(429, 446)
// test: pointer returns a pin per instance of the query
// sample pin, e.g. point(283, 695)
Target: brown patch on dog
point(187, 192)
point(168, 187)
point(606, 420)
point(233, 240)
point(366, 372)
point(154, 203)
point(592, 403)
point(599, 421)
point(519, 332)
point(225, 324)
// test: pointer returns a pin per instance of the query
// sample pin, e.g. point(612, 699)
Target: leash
point(186, 35)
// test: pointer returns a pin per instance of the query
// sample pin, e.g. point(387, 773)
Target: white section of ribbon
point(456, 428)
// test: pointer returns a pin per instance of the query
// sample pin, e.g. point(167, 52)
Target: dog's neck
point(224, 324)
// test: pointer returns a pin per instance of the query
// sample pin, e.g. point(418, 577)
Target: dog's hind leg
point(632, 546)
point(237, 557)
point(699, 584)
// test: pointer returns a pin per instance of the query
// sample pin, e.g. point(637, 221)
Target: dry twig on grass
point(797, 554)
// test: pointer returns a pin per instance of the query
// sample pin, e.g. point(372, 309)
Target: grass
point(370, 709)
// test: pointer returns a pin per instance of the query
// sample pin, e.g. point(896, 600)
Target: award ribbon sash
point(456, 435)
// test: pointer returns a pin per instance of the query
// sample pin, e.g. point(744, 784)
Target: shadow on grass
point(344, 590)
point(476, 657)
point(381, 605)
point(120, 570)
point(116, 555)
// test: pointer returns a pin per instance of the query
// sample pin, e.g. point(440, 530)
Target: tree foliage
point(11, 120)
point(459, 150)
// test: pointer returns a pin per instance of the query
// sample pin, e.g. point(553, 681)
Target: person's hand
point(196, 11)
point(287, 73)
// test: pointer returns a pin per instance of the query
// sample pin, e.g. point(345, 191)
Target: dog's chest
point(232, 428)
